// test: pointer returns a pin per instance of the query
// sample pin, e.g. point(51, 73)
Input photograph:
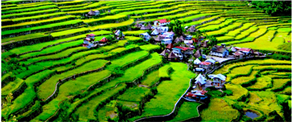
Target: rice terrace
point(145, 60)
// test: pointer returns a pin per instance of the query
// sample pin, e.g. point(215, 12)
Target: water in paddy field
point(251, 114)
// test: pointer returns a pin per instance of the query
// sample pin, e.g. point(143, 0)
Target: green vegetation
point(184, 111)
point(219, 112)
point(48, 87)
point(125, 80)
point(135, 94)
point(179, 82)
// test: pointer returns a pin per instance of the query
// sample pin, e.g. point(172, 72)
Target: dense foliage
point(273, 7)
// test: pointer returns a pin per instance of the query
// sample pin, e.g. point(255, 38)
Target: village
point(153, 60)
point(200, 52)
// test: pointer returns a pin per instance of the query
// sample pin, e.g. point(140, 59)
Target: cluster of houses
point(89, 40)
point(198, 92)
point(235, 52)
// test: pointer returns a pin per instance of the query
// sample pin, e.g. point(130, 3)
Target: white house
point(200, 79)
point(197, 61)
point(145, 36)
point(218, 79)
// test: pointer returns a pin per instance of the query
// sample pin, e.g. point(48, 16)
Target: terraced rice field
point(261, 89)
point(127, 80)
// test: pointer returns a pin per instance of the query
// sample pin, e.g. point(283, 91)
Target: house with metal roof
point(219, 51)
point(161, 22)
point(218, 79)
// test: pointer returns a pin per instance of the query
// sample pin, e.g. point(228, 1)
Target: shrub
point(228, 92)
point(118, 71)
point(280, 57)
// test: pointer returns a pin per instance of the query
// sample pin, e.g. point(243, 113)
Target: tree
point(162, 46)
point(166, 55)
point(6, 104)
point(64, 106)
point(273, 7)
point(201, 58)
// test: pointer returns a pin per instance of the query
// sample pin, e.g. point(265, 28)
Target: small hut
point(93, 13)
point(119, 35)
point(163, 53)
point(197, 61)
point(192, 29)
point(198, 53)
point(148, 27)
point(172, 56)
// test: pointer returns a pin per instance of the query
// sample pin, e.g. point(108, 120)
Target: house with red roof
point(186, 50)
point(161, 22)
point(205, 65)
point(240, 53)
point(103, 40)
point(246, 51)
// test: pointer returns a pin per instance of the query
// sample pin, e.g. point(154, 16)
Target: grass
point(190, 18)
point(113, 17)
point(224, 30)
point(39, 46)
point(286, 90)
point(219, 110)
point(12, 86)
point(65, 91)
point(164, 71)
point(23, 38)
point(105, 112)
point(263, 43)
point(87, 110)
point(164, 100)
point(215, 22)
point(81, 83)
point(267, 103)
point(262, 83)
point(135, 94)
point(112, 25)
point(57, 48)
point(133, 38)
point(239, 71)
point(20, 102)
point(127, 59)
point(184, 111)
point(281, 98)
point(224, 38)
point(47, 64)
point(29, 94)
point(28, 9)
point(216, 27)
point(68, 32)
point(237, 31)
point(48, 26)
point(238, 91)
point(102, 55)
point(284, 30)
point(158, 14)
point(245, 79)
point(136, 33)
point(21, 19)
point(48, 87)
point(149, 47)
point(228, 67)
point(54, 56)
point(179, 15)
point(246, 33)
point(151, 78)
point(33, 23)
